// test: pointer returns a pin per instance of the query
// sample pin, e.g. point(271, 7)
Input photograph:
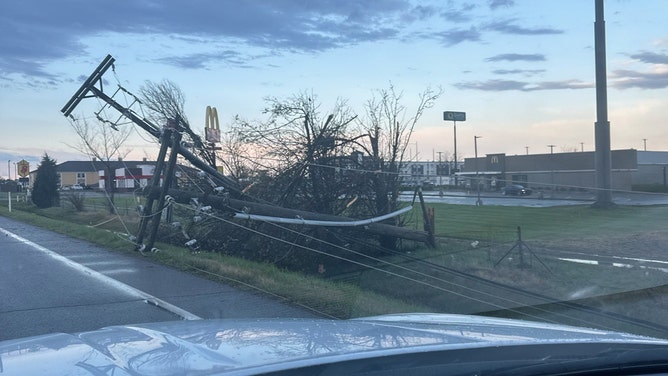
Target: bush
point(77, 200)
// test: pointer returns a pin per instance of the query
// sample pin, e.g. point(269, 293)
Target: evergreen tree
point(45, 189)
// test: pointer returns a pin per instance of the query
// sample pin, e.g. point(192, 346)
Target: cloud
point(651, 57)
point(495, 4)
point(455, 36)
point(509, 27)
point(459, 13)
point(516, 57)
point(33, 34)
point(526, 72)
point(628, 79)
point(513, 85)
point(420, 12)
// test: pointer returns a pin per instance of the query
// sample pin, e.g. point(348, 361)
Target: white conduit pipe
point(313, 222)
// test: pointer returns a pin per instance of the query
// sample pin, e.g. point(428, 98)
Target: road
point(536, 200)
point(53, 283)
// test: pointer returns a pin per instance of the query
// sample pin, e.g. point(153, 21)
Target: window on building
point(443, 169)
point(520, 179)
point(417, 170)
point(81, 178)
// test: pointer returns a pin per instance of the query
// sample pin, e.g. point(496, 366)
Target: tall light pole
point(9, 171)
point(454, 116)
point(477, 179)
point(603, 153)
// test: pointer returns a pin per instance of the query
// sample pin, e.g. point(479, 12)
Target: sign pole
point(455, 167)
point(454, 116)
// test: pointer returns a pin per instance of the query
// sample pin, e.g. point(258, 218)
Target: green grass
point(501, 222)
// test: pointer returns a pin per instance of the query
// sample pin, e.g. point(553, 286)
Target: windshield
point(316, 159)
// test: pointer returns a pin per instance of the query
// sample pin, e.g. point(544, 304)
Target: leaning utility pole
point(602, 126)
point(236, 200)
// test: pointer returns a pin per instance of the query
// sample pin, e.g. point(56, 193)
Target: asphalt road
point(52, 283)
point(536, 200)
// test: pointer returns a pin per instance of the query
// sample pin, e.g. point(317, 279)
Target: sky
point(522, 70)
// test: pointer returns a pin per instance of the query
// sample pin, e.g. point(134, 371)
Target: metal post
point(602, 125)
point(9, 171)
point(455, 168)
point(477, 178)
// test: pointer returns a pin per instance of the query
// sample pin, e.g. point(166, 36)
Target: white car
point(422, 344)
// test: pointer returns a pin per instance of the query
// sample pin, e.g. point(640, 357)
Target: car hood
point(264, 345)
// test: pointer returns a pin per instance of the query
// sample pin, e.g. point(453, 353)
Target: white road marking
point(105, 279)
point(615, 264)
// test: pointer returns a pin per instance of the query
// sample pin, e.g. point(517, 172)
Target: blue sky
point(522, 70)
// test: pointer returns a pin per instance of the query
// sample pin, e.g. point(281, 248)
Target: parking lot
point(539, 199)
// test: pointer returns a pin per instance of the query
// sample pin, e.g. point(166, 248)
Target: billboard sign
point(23, 168)
point(454, 116)
point(212, 126)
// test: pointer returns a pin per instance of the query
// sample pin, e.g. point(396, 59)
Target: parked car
point(516, 190)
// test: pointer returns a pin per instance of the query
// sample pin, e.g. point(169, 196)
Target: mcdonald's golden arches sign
point(212, 126)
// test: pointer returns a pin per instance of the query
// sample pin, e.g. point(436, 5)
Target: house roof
point(94, 166)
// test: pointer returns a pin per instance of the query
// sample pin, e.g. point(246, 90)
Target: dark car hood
point(253, 346)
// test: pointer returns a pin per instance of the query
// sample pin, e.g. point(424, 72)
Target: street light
point(9, 171)
point(477, 179)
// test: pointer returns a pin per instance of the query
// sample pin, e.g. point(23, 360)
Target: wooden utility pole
point(93, 87)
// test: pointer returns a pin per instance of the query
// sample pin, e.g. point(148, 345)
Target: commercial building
point(566, 171)
point(554, 171)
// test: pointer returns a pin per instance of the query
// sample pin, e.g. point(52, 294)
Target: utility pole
point(527, 149)
point(644, 140)
point(582, 147)
point(551, 148)
point(602, 125)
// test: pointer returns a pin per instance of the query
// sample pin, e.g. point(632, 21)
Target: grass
point(549, 223)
